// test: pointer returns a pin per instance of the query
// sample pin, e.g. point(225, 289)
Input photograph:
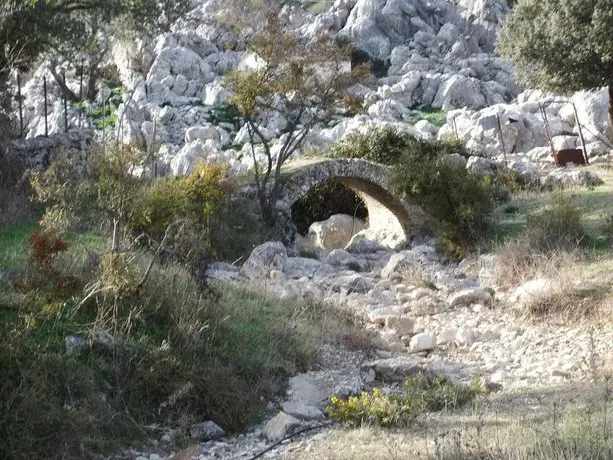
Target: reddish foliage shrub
point(44, 246)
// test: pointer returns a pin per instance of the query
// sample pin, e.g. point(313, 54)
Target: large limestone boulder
point(179, 61)
point(459, 91)
point(336, 232)
point(263, 259)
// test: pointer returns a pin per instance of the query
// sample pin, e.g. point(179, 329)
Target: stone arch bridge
point(391, 220)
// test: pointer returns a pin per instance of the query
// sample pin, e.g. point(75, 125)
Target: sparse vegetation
point(421, 394)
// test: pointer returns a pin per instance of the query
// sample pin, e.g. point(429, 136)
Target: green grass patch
point(13, 245)
point(436, 116)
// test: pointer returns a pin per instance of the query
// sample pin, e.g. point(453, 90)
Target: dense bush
point(458, 202)
point(387, 146)
point(205, 221)
point(323, 201)
point(421, 394)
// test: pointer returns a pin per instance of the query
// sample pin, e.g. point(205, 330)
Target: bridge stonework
point(390, 218)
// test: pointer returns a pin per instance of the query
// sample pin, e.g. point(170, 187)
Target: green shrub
point(175, 356)
point(421, 395)
point(323, 201)
point(206, 223)
point(458, 202)
point(387, 146)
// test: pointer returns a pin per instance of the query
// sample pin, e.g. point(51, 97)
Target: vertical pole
point(103, 125)
point(548, 132)
point(504, 150)
point(20, 102)
point(65, 104)
point(587, 161)
point(80, 93)
point(46, 111)
point(155, 124)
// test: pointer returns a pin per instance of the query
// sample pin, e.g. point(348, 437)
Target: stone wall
point(39, 152)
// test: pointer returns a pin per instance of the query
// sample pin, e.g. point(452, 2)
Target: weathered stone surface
point(403, 325)
point(422, 342)
point(335, 232)
point(264, 258)
point(572, 177)
point(301, 410)
point(279, 426)
point(397, 369)
point(206, 431)
point(387, 214)
point(396, 265)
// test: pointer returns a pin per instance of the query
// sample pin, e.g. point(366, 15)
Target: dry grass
point(569, 423)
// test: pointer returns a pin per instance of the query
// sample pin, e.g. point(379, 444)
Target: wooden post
point(504, 150)
point(548, 132)
point(80, 93)
point(153, 165)
point(587, 161)
point(46, 111)
point(20, 102)
point(65, 104)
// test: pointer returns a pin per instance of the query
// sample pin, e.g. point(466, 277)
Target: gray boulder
point(263, 259)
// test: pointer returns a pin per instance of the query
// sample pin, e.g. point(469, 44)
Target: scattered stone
point(74, 344)
point(397, 369)
point(206, 431)
point(422, 342)
point(466, 336)
point(264, 258)
point(448, 335)
point(279, 426)
point(403, 325)
point(364, 246)
point(302, 411)
point(572, 177)
point(335, 232)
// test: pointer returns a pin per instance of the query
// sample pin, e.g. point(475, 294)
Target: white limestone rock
point(279, 426)
point(422, 342)
point(264, 258)
point(335, 232)
point(467, 297)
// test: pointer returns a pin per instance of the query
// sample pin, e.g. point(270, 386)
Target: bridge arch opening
point(324, 200)
point(390, 219)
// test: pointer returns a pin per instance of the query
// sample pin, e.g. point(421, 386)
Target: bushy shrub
point(458, 202)
point(387, 145)
point(197, 217)
point(421, 394)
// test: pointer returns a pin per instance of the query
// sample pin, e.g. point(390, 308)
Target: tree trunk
point(92, 81)
point(610, 128)
point(66, 91)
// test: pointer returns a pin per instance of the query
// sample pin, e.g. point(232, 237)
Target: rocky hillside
point(437, 55)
